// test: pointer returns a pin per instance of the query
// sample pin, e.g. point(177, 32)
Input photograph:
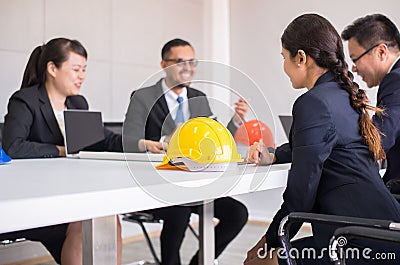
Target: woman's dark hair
point(373, 29)
point(56, 51)
point(319, 39)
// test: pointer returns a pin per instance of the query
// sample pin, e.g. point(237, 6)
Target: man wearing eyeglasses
point(152, 115)
point(374, 47)
point(154, 109)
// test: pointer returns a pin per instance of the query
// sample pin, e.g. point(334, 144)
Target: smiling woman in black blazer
point(33, 125)
point(34, 128)
point(335, 146)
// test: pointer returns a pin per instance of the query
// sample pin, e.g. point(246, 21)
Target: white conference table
point(42, 192)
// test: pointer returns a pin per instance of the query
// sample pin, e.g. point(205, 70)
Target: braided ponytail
point(320, 40)
point(359, 102)
point(372, 136)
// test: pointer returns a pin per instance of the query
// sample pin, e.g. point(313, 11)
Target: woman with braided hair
point(335, 148)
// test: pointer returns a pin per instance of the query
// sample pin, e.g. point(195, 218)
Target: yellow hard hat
point(198, 144)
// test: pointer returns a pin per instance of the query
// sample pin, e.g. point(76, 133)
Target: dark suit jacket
point(389, 124)
point(31, 129)
point(148, 116)
point(333, 171)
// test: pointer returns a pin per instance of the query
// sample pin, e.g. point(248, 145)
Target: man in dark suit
point(152, 110)
point(374, 47)
point(152, 116)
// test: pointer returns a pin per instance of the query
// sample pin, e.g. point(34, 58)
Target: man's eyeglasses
point(180, 62)
point(364, 53)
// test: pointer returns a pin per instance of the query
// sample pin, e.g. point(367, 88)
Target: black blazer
point(148, 116)
point(389, 124)
point(31, 129)
point(332, 171)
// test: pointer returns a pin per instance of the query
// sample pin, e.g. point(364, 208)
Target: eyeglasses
point(364, 53)
point(180, 62)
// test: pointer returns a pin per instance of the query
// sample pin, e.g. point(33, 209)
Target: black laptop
point(82, 129)
point(286, 121)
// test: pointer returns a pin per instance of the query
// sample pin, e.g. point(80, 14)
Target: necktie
point(179, 114)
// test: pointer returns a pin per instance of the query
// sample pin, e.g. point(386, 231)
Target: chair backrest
point(115, 127)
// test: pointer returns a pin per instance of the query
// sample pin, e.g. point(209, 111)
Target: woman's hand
point(258, 153)
point(61, 151)
point(252, 253)
point(258, 255)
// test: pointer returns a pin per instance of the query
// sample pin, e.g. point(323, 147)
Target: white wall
point(256, 28)
point(123, 38)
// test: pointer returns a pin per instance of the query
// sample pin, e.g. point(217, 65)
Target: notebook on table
point(83, 128)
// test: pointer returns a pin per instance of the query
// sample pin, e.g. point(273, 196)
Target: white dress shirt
point(171, 98)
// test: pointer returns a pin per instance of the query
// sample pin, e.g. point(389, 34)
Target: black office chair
point(343, 221)
point(115, 127)
point(336, 246)
point(141, 218)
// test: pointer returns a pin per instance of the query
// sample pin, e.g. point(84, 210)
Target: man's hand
point(168, 137)
point(153, 146)
point(241, 108)
point(258, 153)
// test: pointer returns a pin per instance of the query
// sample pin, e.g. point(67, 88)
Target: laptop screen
point(286, 121)
point(82, 129)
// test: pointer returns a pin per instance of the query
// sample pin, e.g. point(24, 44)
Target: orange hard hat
point(254, 131)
